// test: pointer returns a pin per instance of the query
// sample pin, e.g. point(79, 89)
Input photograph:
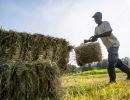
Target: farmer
point(103, 31)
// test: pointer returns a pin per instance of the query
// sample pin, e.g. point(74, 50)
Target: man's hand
point(93, 38)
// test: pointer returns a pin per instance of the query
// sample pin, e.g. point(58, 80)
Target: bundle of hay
point(88, 53)
point(23, 80)
point(30, 47)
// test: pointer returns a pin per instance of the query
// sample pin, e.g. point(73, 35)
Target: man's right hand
point(93, 38)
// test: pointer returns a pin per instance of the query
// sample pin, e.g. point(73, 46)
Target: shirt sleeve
point(107, 26)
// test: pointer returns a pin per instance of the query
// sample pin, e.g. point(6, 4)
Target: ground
point(90, 86)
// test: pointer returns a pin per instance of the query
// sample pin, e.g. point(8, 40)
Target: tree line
point(96, 65)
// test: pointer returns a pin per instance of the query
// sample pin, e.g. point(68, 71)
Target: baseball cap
point(97, 14)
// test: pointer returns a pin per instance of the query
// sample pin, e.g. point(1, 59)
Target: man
point(103, 31)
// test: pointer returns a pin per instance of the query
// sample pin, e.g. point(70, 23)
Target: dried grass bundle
point(88, 53)
point(24, 46)
point(22, 80)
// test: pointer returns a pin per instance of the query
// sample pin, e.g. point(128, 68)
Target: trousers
point(114, 61)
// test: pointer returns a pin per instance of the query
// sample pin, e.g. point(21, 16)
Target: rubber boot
point(124, 68)
point(111, 73)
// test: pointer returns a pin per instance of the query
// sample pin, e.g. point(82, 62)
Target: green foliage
point(126, 61)
point(92, 72)
point(102, 64)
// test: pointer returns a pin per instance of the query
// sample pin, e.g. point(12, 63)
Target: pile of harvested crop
point(30, 47)
point(23, 80)
point(88, 53)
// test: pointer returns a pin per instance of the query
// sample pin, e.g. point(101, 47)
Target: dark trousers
point(114, 61)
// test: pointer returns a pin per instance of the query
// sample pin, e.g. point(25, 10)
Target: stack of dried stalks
point(24, 80)
point(88, 53)
point(16, 45)
point(26, 68)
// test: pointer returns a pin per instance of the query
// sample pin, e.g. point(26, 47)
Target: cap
point(97, 14)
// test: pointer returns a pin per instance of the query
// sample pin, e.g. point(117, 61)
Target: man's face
point(98, 19)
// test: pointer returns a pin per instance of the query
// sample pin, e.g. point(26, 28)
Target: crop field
point(94, 85)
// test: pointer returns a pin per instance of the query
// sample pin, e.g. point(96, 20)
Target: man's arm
point(92, 39)
point(95, 37)
point(103, 34)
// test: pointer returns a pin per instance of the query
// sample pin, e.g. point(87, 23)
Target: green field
point(93, 85)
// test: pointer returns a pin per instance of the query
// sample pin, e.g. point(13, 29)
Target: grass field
point(93, 85)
